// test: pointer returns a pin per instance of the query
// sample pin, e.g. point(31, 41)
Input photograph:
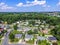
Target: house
point(1, 22)
point(1, 26)
point(1, 29)
point(33, 28)
point(23, 29)
point(48, 36)
point(45, 31)
point(28, 37)
point(26, 23)
point(26, 28)
point(44, 22)
point(36, 24)
point(52, 39)
point(52, 27)
point(42, 26)
point(6, 27)
point(19, 29)
point(41, 38)
point(17, 22)
point(18, 36)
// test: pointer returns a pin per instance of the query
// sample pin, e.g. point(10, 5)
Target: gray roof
point(28, 36)
point(26, 29)
point(1, 26)
point(41, 38)
point(19, 28)
point(52, 38)
point(18, 35)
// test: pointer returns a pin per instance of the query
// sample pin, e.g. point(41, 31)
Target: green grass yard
point(16, 32)
point(30, 41)
point(58, 42)
point(43, 43)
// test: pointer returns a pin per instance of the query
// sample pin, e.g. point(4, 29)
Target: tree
point(32, 22)
point(30, 32)
point(11, 36)
point(15, 27)
point(4, 31)
point(35, 31)
point(56, 32)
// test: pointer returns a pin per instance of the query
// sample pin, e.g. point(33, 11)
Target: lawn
point(0, 41)
point(14, 40)
point(43, 43)
point(1, 36)
point(58, 42)
point(30, 41)
point(40, 34)
point(16, 32)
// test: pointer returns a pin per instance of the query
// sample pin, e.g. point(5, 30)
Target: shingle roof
point(18, 35)
point(41, 38)
point(26, 29)
point(28, 36)
point(52, 38)
point(1, 29)
point(1, 21)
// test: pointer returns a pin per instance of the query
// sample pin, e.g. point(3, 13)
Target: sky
point(29, 5)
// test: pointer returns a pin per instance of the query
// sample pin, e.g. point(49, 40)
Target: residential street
point(5, 40)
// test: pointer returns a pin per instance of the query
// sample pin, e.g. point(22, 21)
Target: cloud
point(35, 2)
point(58, 3)
point(20, 4)
point(39, 2)
point(4, 6)
point(46, 6)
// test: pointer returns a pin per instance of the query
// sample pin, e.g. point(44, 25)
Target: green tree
point(56, 32)
point(30, 32)
point(32, 22)
point(11, 36)
point(15, 27)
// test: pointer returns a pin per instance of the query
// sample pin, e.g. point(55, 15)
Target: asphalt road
point(5, 40)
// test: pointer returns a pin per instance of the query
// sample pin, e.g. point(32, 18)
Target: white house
point(52, 39)
point(19, 29)
point(18, 36)
point(28, 37)
point(26, 28)
point(41, 38)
